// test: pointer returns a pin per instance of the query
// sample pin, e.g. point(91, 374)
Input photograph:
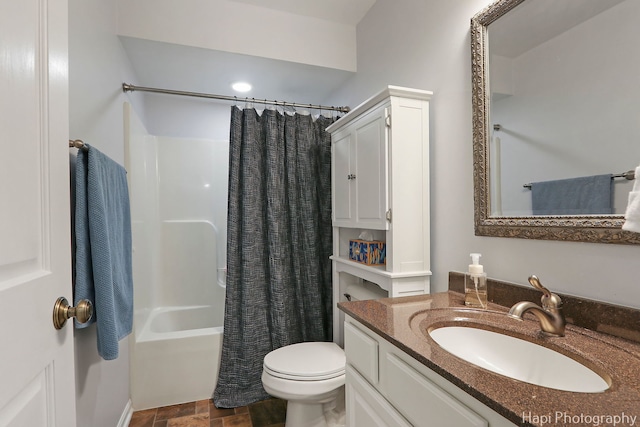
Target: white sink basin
point(518, 359)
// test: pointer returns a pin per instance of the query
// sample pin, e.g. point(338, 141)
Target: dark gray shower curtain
point(279, 240)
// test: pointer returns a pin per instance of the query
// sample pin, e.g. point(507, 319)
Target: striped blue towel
point(103, 247)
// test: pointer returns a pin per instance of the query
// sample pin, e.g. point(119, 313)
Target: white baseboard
point(125, 418)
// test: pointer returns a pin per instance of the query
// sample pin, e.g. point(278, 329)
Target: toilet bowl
point(310, 376)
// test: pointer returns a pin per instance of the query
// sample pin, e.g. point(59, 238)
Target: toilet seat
point(307, 361)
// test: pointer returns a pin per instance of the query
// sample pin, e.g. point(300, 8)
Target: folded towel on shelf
point(589, 195)
point(103, 272)
point(632, 214)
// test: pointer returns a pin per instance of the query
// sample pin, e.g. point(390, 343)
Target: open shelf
point(378, 274)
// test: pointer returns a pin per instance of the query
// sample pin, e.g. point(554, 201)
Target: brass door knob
point(63, 311)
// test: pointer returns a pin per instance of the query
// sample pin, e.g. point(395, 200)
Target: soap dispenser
point(475, 284)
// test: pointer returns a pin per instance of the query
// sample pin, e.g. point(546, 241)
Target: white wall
point(426, 44)
point(184, 117)
point(97, 68)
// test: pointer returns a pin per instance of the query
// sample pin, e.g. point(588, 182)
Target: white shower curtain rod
point(130, 88)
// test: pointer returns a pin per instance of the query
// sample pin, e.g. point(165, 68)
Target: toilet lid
point(307, 360)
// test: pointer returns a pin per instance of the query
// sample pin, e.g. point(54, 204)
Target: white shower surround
point(178, 191)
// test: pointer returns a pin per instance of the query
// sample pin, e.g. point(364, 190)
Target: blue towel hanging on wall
point(589, 195)
point(103, 272)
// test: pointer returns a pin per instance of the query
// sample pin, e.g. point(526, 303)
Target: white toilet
point(310, 376)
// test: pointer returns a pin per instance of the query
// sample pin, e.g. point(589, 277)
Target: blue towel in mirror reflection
point(103, 272)
point(589, 195)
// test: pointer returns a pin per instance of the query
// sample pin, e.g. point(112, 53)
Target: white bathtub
point(177, 322)
point(176, 356)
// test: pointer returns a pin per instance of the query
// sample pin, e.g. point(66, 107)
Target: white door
point(37, 386)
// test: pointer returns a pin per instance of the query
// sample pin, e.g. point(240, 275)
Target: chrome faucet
point(550, 315)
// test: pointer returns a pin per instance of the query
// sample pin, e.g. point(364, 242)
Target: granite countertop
point(405, 323)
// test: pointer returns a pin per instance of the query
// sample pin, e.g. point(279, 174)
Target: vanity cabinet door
point(422, 402)
point(362, 351)
point(366, 407)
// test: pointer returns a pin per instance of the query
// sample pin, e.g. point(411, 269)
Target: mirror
point(556, 103)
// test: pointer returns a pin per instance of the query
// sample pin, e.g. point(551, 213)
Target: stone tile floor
point(203, 413)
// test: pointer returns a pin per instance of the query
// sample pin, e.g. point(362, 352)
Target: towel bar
point(77, 143)
point(628, 175)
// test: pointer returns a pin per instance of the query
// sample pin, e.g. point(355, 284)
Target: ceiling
point(185, 68)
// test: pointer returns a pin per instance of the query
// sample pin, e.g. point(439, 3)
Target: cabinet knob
point(351, 176)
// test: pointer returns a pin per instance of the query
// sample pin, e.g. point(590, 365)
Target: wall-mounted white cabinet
point(380, 184)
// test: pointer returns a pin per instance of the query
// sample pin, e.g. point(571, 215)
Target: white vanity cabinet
point(387, 387)
point(380, 184)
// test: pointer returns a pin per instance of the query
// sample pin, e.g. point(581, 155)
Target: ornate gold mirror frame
point(591, 228)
